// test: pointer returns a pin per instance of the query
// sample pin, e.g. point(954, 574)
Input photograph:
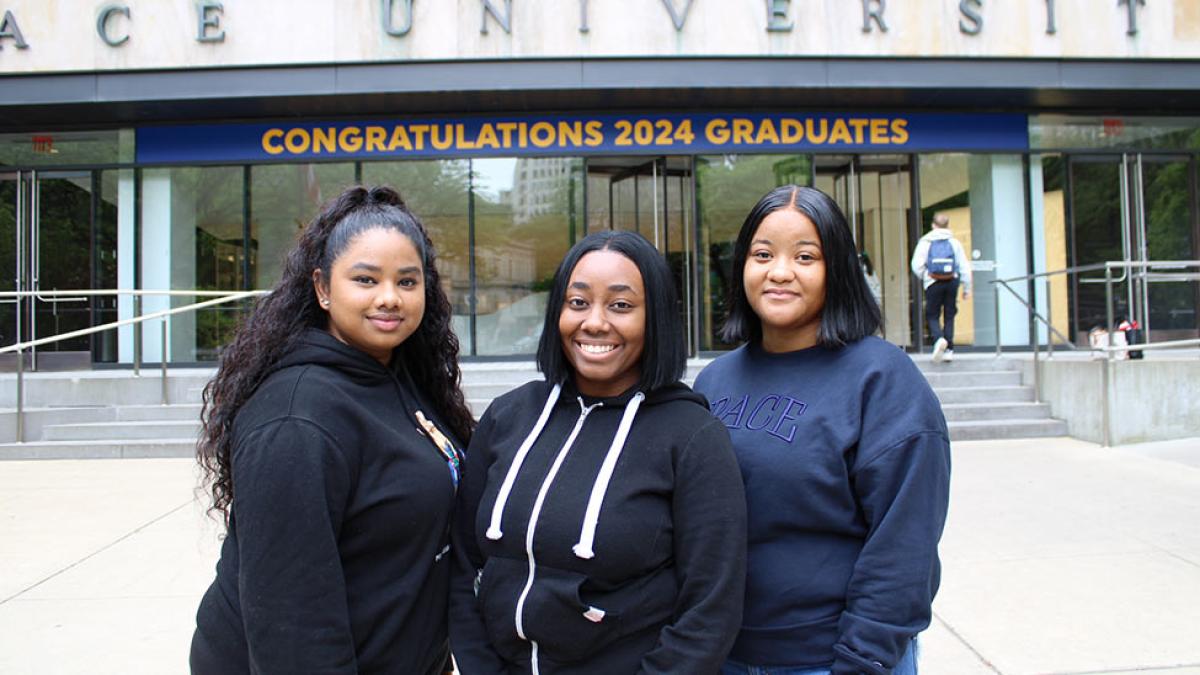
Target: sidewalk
point(1059, 557)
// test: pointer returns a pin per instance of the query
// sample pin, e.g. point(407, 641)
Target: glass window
point(437, 192)
point(65, 148)
point(1053, 132)
point(984, 198)
point(525, 220)
point(727, 187)
point(192, 237)
point(1047, 180)
point(283, 199)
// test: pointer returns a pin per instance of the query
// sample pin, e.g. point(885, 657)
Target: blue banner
point(557, 135)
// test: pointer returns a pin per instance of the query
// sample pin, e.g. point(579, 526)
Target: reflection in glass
point(8, 257)
point(63, 256)
point(1050, 223)
point(525, 215)
point(192, 237)
point(946, 183)
point(62, 148)
point(437, 192)
point(1063, 132)
point(727, 188)
point(283, 199)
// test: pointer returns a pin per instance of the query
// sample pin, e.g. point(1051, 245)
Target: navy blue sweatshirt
point(335, 560)
point(600, 536)
point(846, 462)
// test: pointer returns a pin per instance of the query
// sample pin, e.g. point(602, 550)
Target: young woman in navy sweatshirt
point(842, 446)
point(601, 521)
point(330, 445)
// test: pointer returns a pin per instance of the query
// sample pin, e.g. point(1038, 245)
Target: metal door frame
point(657, 170)
point(1135, 242)
point(25, 198)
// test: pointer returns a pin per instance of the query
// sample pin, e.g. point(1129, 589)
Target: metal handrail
point(216, 298)
point(1110, 351)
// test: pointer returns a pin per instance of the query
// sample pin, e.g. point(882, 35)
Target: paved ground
point(1060, 557)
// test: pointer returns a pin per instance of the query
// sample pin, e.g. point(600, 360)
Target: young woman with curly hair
point(330, 444)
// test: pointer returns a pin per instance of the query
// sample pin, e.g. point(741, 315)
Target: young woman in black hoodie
point(601, 521)
point(330, 446)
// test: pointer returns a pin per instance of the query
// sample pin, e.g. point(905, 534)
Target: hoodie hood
point(566, 394)
point(676, 391)
point(318, 347)
point(939, 233)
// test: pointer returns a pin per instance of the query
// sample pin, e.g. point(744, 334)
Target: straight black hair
point(850, 311)
point(663, 356)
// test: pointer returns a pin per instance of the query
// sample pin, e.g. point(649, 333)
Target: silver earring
point(325, 302)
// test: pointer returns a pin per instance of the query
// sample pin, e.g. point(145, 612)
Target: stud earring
point(325, 302)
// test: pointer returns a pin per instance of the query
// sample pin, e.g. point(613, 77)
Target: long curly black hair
point(275, 325)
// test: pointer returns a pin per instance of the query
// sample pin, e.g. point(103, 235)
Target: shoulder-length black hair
point(430, 354)
point(663, 355)
point(850, 311)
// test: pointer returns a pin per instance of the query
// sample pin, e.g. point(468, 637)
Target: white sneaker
point(939, 349)
point(948, 356)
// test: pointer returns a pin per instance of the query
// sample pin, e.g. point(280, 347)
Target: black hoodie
point(335, 560)
point(635, 559)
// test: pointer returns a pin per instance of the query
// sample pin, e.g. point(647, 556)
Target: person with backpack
point(942, 264)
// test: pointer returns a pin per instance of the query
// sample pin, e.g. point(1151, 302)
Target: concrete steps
point(100, 449)
point(984, 398)
point(94, 414)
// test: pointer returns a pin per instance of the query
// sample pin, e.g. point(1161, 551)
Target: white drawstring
point(587, 535)
point(493, 531)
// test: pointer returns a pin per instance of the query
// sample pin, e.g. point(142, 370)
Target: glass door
point(1133, 208)
point(14, 217)
point(48, 243)
point(653, 197)
point(61, 259)
point(874, 192)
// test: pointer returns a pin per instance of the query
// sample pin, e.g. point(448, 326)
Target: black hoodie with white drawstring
point(597, 536)
point(336, 556)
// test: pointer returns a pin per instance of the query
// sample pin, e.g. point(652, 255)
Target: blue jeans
point(906, 666)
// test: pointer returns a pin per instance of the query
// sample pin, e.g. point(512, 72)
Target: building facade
point(181, 145)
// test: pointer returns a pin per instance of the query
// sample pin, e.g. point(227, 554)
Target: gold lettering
point(350, 139)
point(487, 137)
point(324, 140)
point(595, 134)
point(570, 133)
point(463, 143)
point(375, 139)
point(399, 139)
point(742, 130)
point(270, 141)
point(717, 131)
point(767, 133)
point(437, 138)
point(859, 125)
point(899, 132)
point(418, 131)
point(296, 141)
point(793, 130)
point(507, 129)
point(542, 134)
point(813, 136)
point(841, 132)
point(879, 132)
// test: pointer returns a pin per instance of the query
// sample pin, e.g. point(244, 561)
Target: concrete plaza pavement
point(1060, 557)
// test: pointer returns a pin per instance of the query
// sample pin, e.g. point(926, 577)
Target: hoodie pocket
point(565, 627)
point(499, 587)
